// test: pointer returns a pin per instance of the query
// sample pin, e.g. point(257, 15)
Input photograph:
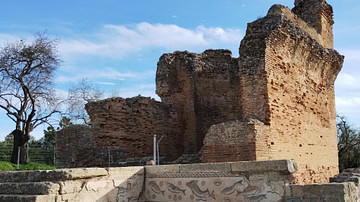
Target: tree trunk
point(23, 154)
point(19, 141)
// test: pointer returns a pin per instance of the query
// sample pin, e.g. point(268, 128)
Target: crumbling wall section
point(131, 124)
point(70, 141)
point(301, 74)
point(234, 141)
point(76, 148)
point(275, 101)
point(287, 80)
point(202, 89)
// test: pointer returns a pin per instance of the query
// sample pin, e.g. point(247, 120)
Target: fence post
point(54, 156)
point(155, 149)
point(18, 159)
point(108, 151)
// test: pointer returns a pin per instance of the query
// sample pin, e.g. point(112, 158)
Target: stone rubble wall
point(260, 181)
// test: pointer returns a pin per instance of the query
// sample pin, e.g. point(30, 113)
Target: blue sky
point(116, 43)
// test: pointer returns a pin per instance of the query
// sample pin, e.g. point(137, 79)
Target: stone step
point(28, 198)
point(51, 175)
point(30, 188)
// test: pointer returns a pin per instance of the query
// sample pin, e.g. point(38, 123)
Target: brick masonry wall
point(203, 89)
point(287, 83)
point(301, 75)
point(233, 141)
point(70, 141)
point(131, 123)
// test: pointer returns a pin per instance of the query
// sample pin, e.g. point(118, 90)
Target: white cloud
point(348, 102)
point(347, 81)
point(5, 38)
point(101, 73)
point(218, 34)
point(105, 83)
point(79, 46)
point(349, 107)
point(119, 40)
point(347, 86)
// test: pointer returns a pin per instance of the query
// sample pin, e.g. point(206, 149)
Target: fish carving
point(174, 189)
point(156, 188)
point(257, 198)
point(248, 191)
point(231, 189)
point(198, 192)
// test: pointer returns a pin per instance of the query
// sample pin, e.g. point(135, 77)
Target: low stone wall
point(348, 175)
point(234, 181)
point(75, 185)
point(260, 181)
point(346, 191)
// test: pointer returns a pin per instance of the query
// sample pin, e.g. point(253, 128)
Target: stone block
point(34, 188)
point(28, 198)
point(345, 192)
point(69, 187)
point(126, 171)
point(97, 185)
point(205, 167)
point(284, 166)
point(155, 170)
point(78, 173)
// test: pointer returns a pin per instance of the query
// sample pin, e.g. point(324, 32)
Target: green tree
point(48, 141)
point(348, 144)
point(6, 148)
point(64, 122)
point(26, 92)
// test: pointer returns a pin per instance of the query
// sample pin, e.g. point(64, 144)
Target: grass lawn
point(7, 166)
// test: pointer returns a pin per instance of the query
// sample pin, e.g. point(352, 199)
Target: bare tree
point(79, 94)
point(26, 92)
point(348, 144)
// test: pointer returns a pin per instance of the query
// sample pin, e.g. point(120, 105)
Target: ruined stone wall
point(275, 101)
point(234, 141)
point(202, 89)
point(76, 148)
point(317, 14)
point(70, 141)
point(301, 75)
point(287, 80)
point(131, 123)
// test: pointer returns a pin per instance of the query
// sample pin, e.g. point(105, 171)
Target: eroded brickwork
point(69, 142)
point(301, 76)
point(202, 89)
point(276, 101)
point(131, 123)
point(288, 84)
point(234, 141)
